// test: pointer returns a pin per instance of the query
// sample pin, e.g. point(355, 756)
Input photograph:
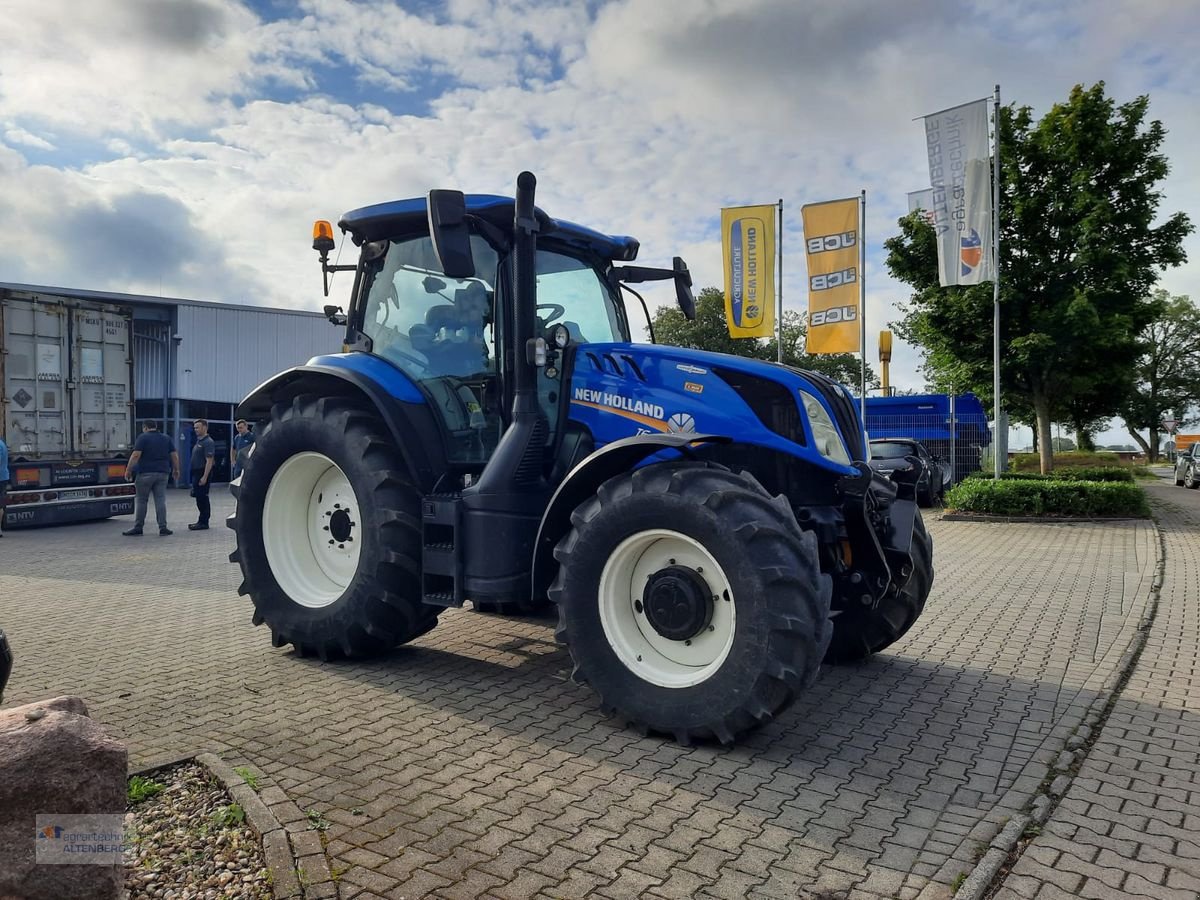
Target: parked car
point(1187, 467)
point(907, 462)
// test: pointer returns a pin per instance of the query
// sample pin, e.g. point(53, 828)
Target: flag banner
point(831, 243)
point(960, 179)
point(923, 201)
point(748, 247)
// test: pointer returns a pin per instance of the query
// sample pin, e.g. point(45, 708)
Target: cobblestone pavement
point(1129, 825)
point(468, 764)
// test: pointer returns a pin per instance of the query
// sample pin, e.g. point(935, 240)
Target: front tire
point(1190, 481)
point(691, 601)
point(328, 532)
point(859, 632)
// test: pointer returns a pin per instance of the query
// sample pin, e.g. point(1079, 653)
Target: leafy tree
point(709, 332)
point(1079, 255)
point(1166, 377)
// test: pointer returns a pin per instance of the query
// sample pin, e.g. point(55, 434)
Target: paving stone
point(475, 761)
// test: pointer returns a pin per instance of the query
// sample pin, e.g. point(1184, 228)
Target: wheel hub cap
point(678, 603)
point(340, 525)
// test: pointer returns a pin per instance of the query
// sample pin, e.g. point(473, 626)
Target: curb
point(295, 853)
point(1036, 520)
point(1006, 847)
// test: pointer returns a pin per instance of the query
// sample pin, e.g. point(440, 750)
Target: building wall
point(226, 352)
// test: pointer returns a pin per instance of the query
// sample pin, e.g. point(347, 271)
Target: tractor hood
point(663, 388)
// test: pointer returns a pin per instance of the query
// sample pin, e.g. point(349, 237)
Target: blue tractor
point(705, 526)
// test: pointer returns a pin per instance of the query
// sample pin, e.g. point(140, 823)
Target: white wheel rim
point(312, 531)
point(646, 653)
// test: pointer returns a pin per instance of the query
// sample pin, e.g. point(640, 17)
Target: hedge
point(1048, 497)
point(1097, 473)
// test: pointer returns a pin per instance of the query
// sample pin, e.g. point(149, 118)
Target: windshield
point(891, 450)
point(572, 293)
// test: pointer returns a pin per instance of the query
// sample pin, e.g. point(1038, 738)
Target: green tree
point(1079, 255)
point(1166, 377)
point(709, 332)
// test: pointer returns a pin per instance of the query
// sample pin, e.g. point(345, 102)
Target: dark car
point(1187, 467)
point(907, 462)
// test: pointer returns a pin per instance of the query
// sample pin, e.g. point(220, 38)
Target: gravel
point(184, 843)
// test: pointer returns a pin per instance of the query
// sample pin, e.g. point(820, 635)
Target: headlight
point(828, 442)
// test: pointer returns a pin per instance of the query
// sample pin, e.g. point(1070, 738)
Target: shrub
point(1048, 497)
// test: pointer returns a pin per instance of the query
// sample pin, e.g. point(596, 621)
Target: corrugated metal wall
point(225, 353)
point(150, 358)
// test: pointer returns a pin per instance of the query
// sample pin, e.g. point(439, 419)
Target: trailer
point(954, 429)
point(66, 407)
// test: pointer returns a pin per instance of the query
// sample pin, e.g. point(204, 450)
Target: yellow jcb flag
point(831, 243)
point(748, 245)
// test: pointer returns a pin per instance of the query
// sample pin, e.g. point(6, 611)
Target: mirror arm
point(638, 274)
point(646, 310)
point(326, 268)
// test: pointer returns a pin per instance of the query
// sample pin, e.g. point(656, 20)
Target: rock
point(57, 762)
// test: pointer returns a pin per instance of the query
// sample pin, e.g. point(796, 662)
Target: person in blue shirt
point(5, 477)
point(204, 453)
point(242, 441)
point(154, 458)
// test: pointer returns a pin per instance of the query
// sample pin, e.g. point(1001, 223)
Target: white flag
point(961, 195)
point(922, 200)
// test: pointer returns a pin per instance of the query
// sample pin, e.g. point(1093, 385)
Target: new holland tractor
point(705, 525)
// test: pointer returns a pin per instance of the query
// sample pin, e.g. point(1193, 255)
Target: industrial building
point(195, 359)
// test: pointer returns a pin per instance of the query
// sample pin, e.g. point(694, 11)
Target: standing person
point(5, 477)
point(154, 458)
point(204, 453)
point(238, 451)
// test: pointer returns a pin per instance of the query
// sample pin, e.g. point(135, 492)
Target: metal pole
point(996, 442)
point(953, 440)
point(862, 303)
point(779, 284)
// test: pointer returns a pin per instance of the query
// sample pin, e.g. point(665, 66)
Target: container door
point(35, 378)
point(102, 375)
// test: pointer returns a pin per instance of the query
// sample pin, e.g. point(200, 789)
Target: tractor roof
point(397, 217)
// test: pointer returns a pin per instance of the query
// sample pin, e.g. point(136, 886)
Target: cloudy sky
point(184, 147)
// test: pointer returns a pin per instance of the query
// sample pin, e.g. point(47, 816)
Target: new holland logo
point(681, 423)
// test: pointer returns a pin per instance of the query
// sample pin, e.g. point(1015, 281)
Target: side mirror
point(433, 285)
point(450, 234)
point(334, 314)
point(683, 289)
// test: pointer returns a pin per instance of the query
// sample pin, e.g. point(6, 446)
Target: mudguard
point(398, 401)
point(581, 482)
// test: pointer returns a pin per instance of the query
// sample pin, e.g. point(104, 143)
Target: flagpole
point(862, 303)
point(997, 444)
point(779, 285)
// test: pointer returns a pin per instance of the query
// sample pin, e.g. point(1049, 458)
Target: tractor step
point(441, 550)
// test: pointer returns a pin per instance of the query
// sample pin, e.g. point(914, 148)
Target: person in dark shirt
point(154, 459)
point(204, 453)
point(242, 441)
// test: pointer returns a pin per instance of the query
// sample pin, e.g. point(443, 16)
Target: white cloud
point(27, 139)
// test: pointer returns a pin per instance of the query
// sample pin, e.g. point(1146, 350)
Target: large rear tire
point(328, 532)
point(691, 601)
point(859, 632)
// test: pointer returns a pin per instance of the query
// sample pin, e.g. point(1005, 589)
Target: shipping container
point(66, 397)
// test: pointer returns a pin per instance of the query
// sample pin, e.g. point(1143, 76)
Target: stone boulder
point(56, 762)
